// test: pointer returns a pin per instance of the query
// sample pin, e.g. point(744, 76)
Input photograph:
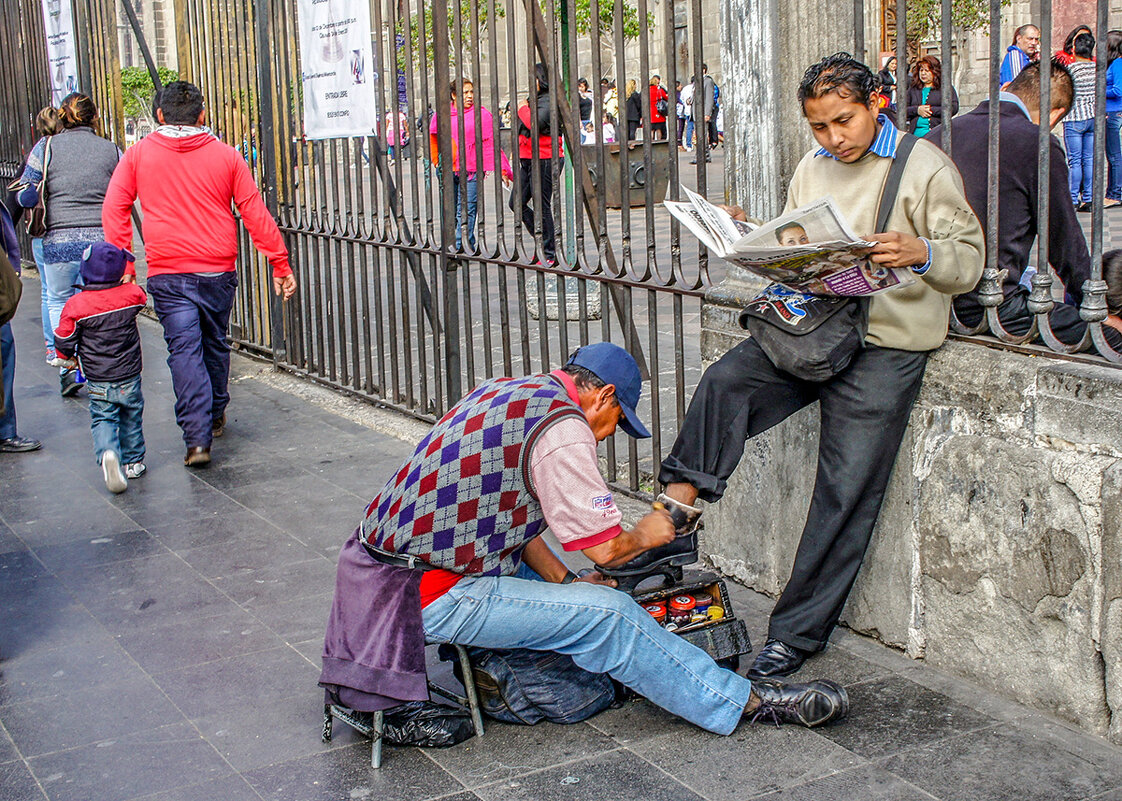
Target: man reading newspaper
point(934, 240)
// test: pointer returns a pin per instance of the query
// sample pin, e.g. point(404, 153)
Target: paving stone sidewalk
point(164, 645)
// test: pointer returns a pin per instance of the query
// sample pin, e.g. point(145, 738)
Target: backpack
point(518, 685)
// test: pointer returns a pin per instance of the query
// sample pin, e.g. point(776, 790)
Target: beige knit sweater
point(930, 204)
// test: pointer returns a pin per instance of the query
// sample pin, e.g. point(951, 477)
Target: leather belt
point(396, 559)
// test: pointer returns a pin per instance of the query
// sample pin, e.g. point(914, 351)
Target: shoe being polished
point(776, 658)
point(197, 456)
point(811, 704)
point(679, 551)
point(19, 445)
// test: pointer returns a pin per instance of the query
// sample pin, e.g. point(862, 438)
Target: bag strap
point(892, 183)
point(46, 161)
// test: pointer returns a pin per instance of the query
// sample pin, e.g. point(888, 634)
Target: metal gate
point(388, 308)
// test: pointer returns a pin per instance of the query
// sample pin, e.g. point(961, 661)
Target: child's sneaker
point(51, 356)
point(135, 470)
point(115, 478)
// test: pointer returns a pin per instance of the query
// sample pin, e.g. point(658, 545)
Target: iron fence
point(389, 307)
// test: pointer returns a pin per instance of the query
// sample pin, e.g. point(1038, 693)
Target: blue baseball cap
point(103, 263)
point(613, 365)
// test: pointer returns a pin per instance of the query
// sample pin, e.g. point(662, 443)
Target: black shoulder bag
point(815, 337)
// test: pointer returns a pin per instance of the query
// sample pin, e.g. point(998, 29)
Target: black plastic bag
point(425, 724)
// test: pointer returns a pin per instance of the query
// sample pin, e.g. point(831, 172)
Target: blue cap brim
point(631, 424)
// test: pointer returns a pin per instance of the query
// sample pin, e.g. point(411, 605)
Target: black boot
point(810, 704)
point(666, 560)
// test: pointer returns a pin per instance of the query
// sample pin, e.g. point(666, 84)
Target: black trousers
point(864, 412)
point(1013, 312)
point(544, 203)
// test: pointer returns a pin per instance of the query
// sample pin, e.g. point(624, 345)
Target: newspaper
point(810, 250)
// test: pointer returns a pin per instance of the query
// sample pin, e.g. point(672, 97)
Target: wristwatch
point(570, 577)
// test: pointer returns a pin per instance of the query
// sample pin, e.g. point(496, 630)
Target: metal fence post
point(266, 154)
point(448, 263)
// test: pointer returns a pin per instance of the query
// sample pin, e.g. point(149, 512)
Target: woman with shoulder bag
point(72, 168)
point(46, 124)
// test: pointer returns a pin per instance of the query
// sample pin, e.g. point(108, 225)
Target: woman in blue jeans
point(78, 164)
point(1114, 119)
point(1079, 126)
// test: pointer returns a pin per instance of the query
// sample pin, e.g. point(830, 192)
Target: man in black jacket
point(1017, 198)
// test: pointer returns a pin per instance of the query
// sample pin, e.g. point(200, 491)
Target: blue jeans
point(472, 208)
point(603, 630)
point(1079, 141)
point(116, 412)
point(37, 254)
point(689, 132)
point(195, 311)
point(60, 278)
point(1114, 155)
point(8, 357)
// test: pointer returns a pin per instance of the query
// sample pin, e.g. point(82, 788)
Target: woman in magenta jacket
point(475, 118)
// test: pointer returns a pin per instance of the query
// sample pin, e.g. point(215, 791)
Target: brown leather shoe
point(197, 457)
point(218, 427)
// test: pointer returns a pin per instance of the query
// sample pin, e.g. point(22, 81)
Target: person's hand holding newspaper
point(810, 249)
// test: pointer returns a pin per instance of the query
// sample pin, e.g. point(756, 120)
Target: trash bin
point(637, 177)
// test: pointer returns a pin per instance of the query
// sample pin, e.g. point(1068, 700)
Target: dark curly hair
point(840, 73)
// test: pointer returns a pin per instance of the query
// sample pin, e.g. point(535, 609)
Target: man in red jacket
point(186, 179)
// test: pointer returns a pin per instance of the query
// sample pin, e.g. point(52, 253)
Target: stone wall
point(998, 552)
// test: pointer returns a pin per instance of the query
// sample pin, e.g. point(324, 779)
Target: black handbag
point(37, 215)
point(815, 337)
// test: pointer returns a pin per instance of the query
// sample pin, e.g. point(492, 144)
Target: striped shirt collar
point(884, 145)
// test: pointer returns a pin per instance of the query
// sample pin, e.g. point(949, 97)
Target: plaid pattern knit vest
point(463, 500)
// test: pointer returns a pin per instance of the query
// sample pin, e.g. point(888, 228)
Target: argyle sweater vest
point(464, 502)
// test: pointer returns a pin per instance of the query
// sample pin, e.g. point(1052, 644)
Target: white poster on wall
point(58, 23)
point(340, 98)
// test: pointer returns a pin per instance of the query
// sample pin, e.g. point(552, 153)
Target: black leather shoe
point(679, 551)
point(776, 659)
point(19, 445)
point(197, 457)
point(810, 704)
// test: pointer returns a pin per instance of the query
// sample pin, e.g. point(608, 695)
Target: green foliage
point(607, 12)
point(465, 31)
point(966, 15)
point(139, 90)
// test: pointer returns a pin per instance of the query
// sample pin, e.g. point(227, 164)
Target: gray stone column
point(766, 46)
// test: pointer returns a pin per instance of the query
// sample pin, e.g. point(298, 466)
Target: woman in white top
point(1079, 125)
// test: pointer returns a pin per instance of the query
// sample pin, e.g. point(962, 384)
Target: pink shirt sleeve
point(578, 505)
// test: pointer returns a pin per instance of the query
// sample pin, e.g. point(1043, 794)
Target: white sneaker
point(115, 478)
point(135, 470)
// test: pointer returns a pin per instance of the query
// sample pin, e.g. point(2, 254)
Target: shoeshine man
point(449, 552)
point(864, 408)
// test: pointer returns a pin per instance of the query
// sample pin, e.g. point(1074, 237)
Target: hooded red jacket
point(185, 186)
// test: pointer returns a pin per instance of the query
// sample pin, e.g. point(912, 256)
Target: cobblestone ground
point(164, 644)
